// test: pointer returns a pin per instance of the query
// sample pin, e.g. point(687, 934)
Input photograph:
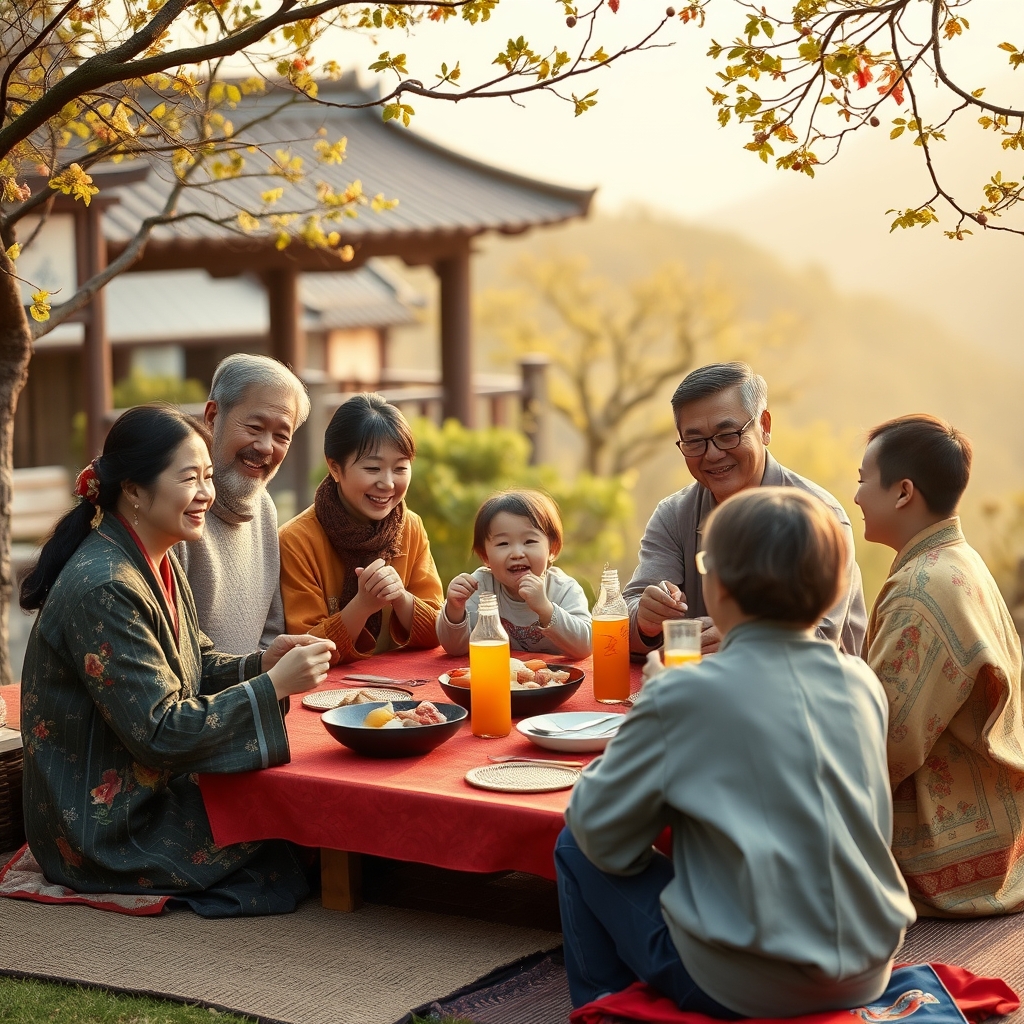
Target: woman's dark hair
point(927, 450)
point(780, 553)
point(139, 447)
point(362, 425)
point(537, 507)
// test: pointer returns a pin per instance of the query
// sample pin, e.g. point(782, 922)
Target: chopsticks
point(502, 758)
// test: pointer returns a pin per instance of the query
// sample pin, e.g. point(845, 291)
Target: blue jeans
point(614, 932)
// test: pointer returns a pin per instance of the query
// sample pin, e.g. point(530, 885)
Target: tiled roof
point(438, 190)
point(180, 306)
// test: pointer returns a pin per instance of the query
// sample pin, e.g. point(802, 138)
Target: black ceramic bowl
point(525, 703)
point(346, 726)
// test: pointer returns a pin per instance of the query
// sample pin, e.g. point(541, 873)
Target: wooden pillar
point(534, 369)
point(307, 447)
point(97, 368)
point(456, 337)
point(287, 339)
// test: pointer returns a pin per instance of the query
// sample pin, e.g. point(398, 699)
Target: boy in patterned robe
point(944, 646)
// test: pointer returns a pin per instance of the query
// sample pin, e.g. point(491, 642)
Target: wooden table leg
point(341, 880)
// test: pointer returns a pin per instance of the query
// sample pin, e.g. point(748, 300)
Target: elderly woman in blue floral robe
point(123, 702)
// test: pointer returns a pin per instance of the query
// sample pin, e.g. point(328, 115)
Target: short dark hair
point(536, 506)
point(717, 377)
point(779, 551)
point(929, 451)
point(364, 423)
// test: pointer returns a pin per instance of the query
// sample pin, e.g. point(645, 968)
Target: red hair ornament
point(87, 487)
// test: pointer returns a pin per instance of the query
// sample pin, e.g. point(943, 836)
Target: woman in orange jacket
point(356, 565)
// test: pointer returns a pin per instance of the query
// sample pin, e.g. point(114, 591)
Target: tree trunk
point(15, 352)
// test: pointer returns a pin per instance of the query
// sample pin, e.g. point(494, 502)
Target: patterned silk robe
point(118, 715)
point(943, 644)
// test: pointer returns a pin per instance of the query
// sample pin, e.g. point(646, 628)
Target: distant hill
point(838, 221)
point(849, 360)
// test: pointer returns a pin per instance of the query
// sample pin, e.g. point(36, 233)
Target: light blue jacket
point(767, 760)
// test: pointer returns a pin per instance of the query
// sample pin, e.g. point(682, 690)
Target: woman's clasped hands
point(297, 662)
point(379, 585)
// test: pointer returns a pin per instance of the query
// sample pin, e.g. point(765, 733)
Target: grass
point(44, 1002)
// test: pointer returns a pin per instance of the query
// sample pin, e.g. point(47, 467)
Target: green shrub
point(138, 389)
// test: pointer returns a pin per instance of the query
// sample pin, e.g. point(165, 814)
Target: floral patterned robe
point(118, 716)
point(943, 644)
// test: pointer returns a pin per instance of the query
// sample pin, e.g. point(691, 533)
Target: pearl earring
point(135, 514)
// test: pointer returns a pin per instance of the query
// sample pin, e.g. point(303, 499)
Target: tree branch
point(22, 54)
point(937, 6)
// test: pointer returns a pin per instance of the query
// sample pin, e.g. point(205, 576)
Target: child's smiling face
point(514, 546)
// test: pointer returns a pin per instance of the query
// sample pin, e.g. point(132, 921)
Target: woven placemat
point(325, 700)
point(522, 778)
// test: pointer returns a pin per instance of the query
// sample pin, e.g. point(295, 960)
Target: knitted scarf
point(357, 541)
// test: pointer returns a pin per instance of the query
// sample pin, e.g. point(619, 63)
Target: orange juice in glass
point(611, 642)
point(490, 686)
point(682, 642)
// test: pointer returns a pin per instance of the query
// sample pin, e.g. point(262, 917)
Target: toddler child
point(518, 534)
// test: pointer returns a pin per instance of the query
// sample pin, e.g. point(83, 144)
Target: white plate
point(583, 741)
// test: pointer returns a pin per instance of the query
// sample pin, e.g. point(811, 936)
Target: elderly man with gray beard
point(255, 406)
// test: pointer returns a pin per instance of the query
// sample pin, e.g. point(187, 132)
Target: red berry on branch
point(981, 219)
point(670, 12)
point(874, 122)
point(571, 21)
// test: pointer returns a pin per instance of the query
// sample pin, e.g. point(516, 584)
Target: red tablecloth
point(416, 809)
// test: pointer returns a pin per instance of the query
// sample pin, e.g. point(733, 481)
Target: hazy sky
point(653, 137)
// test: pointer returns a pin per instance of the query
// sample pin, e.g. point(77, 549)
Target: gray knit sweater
point(234, 571)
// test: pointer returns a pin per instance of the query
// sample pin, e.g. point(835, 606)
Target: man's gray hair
point(717, 377)
point(240, 372)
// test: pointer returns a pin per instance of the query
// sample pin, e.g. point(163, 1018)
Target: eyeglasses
point(703, 563)
point(694, 446)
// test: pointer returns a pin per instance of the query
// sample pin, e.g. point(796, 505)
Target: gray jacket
point(669, 547)
point(768, 763)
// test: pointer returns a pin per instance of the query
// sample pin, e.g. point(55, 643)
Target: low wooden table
point(417, 809)
point(414, 809)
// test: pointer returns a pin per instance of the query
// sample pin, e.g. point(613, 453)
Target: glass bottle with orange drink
point(611, 642)
point(490, 686)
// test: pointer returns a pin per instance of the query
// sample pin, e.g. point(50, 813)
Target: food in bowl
point(524, 675)
point(386, 717)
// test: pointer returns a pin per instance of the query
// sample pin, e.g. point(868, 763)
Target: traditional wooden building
point(445, 201)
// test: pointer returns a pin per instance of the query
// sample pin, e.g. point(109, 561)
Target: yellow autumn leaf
point(247, 222)
point(75, 182)
point(272, 195)
point(40, 308)
point(13, 252)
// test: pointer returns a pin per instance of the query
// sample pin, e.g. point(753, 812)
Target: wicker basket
point(12, 823)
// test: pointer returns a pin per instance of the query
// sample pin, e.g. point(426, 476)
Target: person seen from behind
point(767, 762)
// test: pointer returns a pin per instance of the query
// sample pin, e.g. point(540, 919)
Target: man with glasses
point(724, 426)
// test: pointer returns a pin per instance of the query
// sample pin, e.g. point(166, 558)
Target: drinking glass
point(682, 641)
